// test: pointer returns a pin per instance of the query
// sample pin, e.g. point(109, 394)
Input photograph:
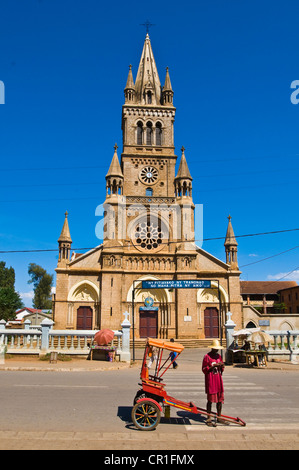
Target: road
point(92, 410)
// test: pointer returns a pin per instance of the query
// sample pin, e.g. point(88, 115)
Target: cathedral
point(148, 235)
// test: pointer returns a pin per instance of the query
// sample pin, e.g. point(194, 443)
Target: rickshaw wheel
point(146, 415)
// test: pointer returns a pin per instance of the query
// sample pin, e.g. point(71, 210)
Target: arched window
point(149, 97)
point(149, 132)
point(158, 133)
point(185, 190)
point(149, 192)
point(139, 133)
point(114, 189)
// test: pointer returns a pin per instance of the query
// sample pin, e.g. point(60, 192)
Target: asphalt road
point(92, 410)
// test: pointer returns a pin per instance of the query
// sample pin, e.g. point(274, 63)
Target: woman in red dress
point(212, 367)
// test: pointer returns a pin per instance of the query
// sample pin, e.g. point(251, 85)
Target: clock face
point(149, 175)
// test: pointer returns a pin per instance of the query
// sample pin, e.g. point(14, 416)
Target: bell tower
point(148, 159)
point(148, 162)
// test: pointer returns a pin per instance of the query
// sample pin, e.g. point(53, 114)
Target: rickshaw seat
point(155, 378)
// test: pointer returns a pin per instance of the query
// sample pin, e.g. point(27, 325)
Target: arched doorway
point(151, 310)
point(83, 301)
point(209, 307)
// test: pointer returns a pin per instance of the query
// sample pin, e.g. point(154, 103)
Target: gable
point(207, 262)
point(90, 259)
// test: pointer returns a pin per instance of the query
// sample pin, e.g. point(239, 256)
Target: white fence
point(44, 339)
point(284, 343)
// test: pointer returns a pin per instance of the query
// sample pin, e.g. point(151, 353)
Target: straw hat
point(216, 345)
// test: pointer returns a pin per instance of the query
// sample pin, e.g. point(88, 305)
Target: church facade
point(148, 234)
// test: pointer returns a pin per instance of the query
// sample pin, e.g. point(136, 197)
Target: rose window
point(148, 234)
point(149, 175)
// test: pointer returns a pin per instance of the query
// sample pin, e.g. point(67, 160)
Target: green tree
point(42, 283)
point(10, 300)
point(7, 276)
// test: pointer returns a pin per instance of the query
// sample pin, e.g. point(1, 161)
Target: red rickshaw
point(152, 399)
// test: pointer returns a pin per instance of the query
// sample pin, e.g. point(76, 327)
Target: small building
point(265, 296)
point(289, 296)
point(36, 316)
point(264, 304)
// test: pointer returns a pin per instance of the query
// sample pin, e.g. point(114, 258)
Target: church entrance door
point(84, 318)
point(148, 324)
point(211, 322)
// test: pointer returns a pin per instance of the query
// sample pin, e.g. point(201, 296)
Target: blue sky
point(64, 65)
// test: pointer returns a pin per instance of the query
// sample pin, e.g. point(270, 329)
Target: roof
point(230, 239)
point(161, 343)
point(30, 310)
point(183, 171)
point(265, 287)
point(65, 235)
point(23, 312)
point(167, 84)
point(147, 74)
point(292, 287)
point(130, 81)
point(115, 169)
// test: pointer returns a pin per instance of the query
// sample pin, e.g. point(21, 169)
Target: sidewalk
point(74, 365)
point(188, 359)
point(203, 439)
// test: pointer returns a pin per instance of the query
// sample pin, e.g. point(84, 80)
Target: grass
point(60, 357)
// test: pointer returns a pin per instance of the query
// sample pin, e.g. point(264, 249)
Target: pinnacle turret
point(183, 179)
point(130, 87)
point(65, 235)
point(114, 177)
point(231, 246)
point(64, 242)
point(167, 92)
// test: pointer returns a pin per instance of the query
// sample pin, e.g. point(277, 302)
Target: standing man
point(173, 356)
point(212, 367)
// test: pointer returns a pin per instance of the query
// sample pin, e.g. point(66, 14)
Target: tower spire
point(64, 242)
point(147, 83)
point(65, 235)
point(130, 87)
point(114, 177)
point(231, 245)
point(167, 92)
point(183, 179)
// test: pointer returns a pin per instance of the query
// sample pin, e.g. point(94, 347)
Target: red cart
point(150, 401)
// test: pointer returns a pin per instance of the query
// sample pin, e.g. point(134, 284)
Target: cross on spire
point(147, 25)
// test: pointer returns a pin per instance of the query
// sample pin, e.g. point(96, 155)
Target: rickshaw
point(152, 399)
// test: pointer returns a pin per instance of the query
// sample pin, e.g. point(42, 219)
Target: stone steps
point(187, 343)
